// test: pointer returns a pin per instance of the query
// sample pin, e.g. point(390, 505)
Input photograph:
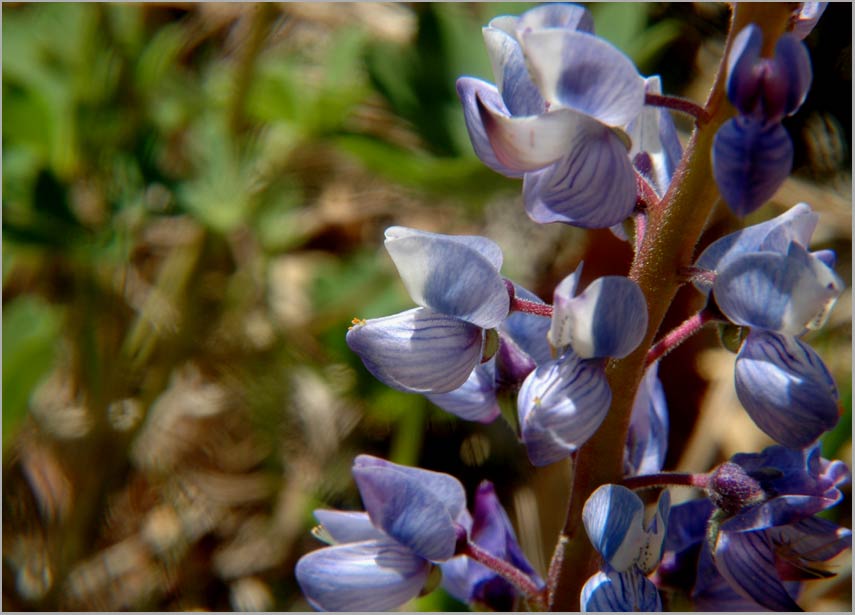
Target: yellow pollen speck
point(356, 322)
point(536, 400)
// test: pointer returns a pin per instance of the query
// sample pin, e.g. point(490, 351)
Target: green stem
point(673, 229)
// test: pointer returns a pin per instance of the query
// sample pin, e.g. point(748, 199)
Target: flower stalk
point(673, 229)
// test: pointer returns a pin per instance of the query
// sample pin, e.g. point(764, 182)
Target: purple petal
point(619, 592)
point(471, 91)
point(580, 71)
point(747, 561)
point(785, 388)
point(799, 547)
point(788, 82)
point(789, 293)
point(744, 83)
point(416, 507)
point(475, 400)
point(453, 275)
point(561, 404)
point(750, 162)
point(592, 186)
point(533, 142)
point(712, 592)
point(418, 351)
point(518, 91)
point(608, 319)
point(374, 575)
point(344, 526)
point(775, 235)
point(647, 439)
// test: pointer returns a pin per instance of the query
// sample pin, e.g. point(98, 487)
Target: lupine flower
point(522, 344)
point(473, 583)
point(556, 115)
point(752, 153)
point(434, 348)
point(762, 536)
point(766, 279)
point(614, 520)
point(382, 558)
point(563, 402)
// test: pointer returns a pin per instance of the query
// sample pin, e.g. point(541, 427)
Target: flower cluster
point(594, 144)
point(381, 558)
point(757, 537)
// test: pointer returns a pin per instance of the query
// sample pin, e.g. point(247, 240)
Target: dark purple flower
point(471, 582)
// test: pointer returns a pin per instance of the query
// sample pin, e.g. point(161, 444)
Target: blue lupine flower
point(754, 555)
point(473, 583)
point(382, 558)
point(766, 279)
point(752, 153)
point(522, 344)
point(434, 348)
point(647, 438)
point(608, 319)
point(614, 520)
point(556, 116)
point(563, 402)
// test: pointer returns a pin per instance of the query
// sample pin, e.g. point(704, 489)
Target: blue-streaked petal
point(789, 293)
point(561, 404)
point(513, 364)
point(416, 507)
point(744, 84)
point(712, 592)
point(518, 91)
point(471, 91)
point(653, 133)
point(801, 547)
point(614, 520)
point(647, 439)
point(453, 275)
point(580, 71)
point(556, 15)
point(346, 526)
point(608, 319)
point(418, 351)
point(750, 162)
point(619, 592)
point(375, 575)
point(475, 400)
point(747, 561)
point(807, 18)
point(796, 224)
point(785, 388)
point(593, 186)
point(532, 142)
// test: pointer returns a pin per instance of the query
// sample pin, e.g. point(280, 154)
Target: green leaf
point(30, 330)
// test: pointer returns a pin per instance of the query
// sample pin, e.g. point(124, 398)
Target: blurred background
point(194, 199)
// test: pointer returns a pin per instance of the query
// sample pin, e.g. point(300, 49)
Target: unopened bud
point(731, 488)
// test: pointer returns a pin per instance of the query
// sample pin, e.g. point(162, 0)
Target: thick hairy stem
point(673, 229)
point(513, 575)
